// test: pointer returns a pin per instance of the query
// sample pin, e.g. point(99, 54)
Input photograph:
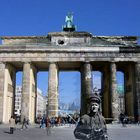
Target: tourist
point(48, 126)
point(12, 124)
point(24, 123)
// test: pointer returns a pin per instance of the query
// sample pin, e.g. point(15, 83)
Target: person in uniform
point(92, 126)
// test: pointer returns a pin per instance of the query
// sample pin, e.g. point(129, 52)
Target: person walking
point(123, 119)
point(24, 123)
point(12, 124)
point(48, 126)
point(42, 125)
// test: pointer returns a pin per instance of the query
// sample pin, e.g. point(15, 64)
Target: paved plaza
point(116, 132)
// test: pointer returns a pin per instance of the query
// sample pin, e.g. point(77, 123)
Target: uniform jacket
point(91, 124)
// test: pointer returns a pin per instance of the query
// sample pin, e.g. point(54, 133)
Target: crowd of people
point(57, 121)
point(13, 122)
point(44, 122)
point(124, 119)
point(48, 123)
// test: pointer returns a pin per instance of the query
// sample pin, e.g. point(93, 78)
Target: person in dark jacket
point(24, 123)
point(92, 126)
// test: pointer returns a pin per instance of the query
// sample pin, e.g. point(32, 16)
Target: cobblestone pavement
point(116, 132)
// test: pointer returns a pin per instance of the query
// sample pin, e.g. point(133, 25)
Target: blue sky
point(99, 17)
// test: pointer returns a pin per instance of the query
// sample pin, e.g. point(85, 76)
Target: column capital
point(55, 63)
point(113, 65)
point(112, 62)
point(86, 62)
point(52, 62)
point(26, 62)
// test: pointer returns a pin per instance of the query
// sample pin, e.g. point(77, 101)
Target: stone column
point(113, 91)
point(33, 93)
point(10, 83)
point(86, 86)
point(25, 100)
point(137, 84)
point(28, 92)
point(129, 90)
point(53, 91)
point(14, 90)
point(7, 92)
point(2, 81)
point(105, 92)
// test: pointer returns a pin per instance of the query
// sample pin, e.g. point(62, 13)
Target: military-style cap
point(94, 98)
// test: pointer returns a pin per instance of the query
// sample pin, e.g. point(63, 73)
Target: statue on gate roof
point(69, 27)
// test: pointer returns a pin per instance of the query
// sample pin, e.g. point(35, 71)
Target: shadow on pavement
point(7, 132)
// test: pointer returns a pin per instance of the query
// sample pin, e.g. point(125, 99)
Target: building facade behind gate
point(79, 51)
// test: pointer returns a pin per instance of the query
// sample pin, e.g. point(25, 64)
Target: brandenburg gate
point(69, 51)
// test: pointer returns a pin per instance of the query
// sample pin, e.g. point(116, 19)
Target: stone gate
point(78, 51)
